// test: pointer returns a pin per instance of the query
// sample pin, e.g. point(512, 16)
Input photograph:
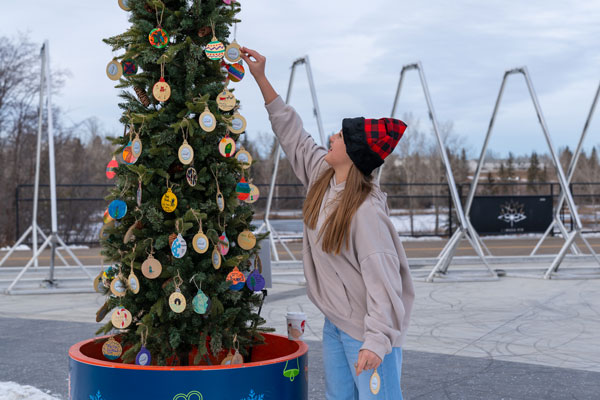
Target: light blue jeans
point(340, 352)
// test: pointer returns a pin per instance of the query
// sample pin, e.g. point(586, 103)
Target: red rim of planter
point(76, 354)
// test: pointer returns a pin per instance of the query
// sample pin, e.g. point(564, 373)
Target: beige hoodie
point(366, 290)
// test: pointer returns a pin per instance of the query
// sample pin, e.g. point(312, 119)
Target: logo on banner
point(512, 213)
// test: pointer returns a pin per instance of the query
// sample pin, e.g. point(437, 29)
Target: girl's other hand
point(256, 63)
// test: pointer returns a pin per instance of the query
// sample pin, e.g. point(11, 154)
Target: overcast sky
point(357, 49)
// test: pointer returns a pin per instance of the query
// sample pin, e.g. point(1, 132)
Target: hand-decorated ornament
point(255, 281)
point(169, 200)
point(117, 209)
point(200, 240)
point(237, 357)
point(237, 279)
point(220, 199)
point(129, 67)
point(133, 281)
point(186, 152)
point(227, 146)
point(238, 123)
point(151, 267)
point(177, 300)
point(136, 146)
point(233, 52)
point(107, 218)
point(121, 318)
point(216, 258)
point(117, 287)
point(254, 194)
point(138, 195)
point(158, 37)
point(179, 247)
point(214, 50)
point(191, 176)
point(246, 240)
point(207, 120)
point(200, 302)
point(143, 357)
point(161, 89)
point(124, 4)
point(242, 189)
point(110, 168)
point(226, 100)
point(244, 158)
point(128, 156)
point(112, 349)
point(224, 243)
point(114, 70)
point(375, 382)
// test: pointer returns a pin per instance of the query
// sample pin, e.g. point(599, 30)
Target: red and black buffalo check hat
point(370, 141)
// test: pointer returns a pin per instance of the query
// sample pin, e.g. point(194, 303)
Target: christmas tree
point(182, 255)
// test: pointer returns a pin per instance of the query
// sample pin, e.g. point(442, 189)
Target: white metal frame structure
point(274, 236)
point(53, 239)
point(551, 272)
point(464, 230)
point(571, 171)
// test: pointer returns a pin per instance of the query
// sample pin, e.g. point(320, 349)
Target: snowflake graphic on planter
point(254, 396)
point(97, 396)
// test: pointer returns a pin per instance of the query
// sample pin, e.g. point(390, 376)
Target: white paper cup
point(295, 325)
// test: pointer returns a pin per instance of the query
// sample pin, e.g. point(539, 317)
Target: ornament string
point(177, 281)
point(199, 220)
point(192, 280)
point(159, 20)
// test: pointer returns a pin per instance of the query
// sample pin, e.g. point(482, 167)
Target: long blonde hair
point(336, 229)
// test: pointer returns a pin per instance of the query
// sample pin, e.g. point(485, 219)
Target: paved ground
point(514, 338)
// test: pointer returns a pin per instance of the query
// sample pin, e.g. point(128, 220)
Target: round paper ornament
point(235, 72)
point(117, 209)
point(238, 123)
point(226, 100)
point(161, 90)
point(177, 301)
point(112, 349)
point(121, 318)
point(254, 194)
point(227, 146)
point(143, 357)
point(215, 50)
point(244, 158)
point(117, 287)
point(129, 67)
point(242, 189)
point(224, 244)
point(191, 176)
point(246, 240)
point(129, 236)
point(233, 52)
point(114, 70)
point(110, 168)
point(200, 243)
point(186, 153)
point(220, 201)
point(124, 4)
point(151, 268)
point(236, 276)
point(133, 282)
point(179, 247)
point(255, 281)
point(169, 201)
point(107, 218)
point(136, 146)
point(216, 258)
point(207, 120)
point(98, 285)
point(200, 302)
point(158, 38)
point(128, 156)
point(108, 274)
point(237, 358)
point(375, 382)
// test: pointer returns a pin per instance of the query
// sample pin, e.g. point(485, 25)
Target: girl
point(355, 266)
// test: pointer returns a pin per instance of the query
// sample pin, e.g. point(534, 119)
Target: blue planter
point(278, 370)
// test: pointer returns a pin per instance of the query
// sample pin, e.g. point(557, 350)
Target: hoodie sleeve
point(305, 156)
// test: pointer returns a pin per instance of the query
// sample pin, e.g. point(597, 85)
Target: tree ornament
point(242, 189)
point(236, 72)
point(207, 120)
point(224, 243)
point(124, 4)
point(132, 280)
point(129, 67)
point(117, 287)
point(374, 382)
point(117, 209)
point(238, 122)
point(233, 52)
point(200, 302)
point(214, 50)
point(227, 360)
point(143, 356)
point(136, 145)
point(114, 70)
point(112, 349)
point(179, 246)
point(220, 199)
point(129, 236)
point(244, 158)
point(142, 96)
point(158, 37)
point(227, 146)
point(226, 100)
point(151, 267)
point(200, 241)
point(191, 176)
point(107, 218)
point(161, 89)
point(254, 194)
point(237, 358)
point(169, 200)
point(177, 300)
point(128, 154)
point(138, 195)
point(110, 168)
point(98, 285)
point(216, 257)
point(237, 279)
point(121, 318)
point(186, 152)
point(255, 281)
point(246, 240)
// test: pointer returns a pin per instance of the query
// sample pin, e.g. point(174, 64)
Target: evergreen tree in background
point(147, 230)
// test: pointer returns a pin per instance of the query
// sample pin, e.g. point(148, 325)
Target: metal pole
point(36, 189)
point(313, 94)
point(51, 165)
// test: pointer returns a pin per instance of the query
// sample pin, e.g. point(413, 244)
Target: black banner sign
point(511, 214)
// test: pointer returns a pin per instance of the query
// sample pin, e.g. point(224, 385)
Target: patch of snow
point(21, 247)
point(14, 391)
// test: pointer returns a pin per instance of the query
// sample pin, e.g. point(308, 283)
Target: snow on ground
point(24, 247)
point(14, 391)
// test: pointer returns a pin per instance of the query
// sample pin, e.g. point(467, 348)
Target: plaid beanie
point(370, 141)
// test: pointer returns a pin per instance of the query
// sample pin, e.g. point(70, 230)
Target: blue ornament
point(143, 357)
point(255, 281)
point(237, 286)
point(117, 209)
point(201, 302)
